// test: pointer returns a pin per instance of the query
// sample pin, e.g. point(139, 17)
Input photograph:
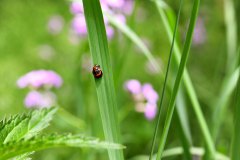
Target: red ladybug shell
point(97, 72)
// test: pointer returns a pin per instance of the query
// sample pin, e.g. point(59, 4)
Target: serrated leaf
point(13, 149)
point(24, 156)
point(25, 125)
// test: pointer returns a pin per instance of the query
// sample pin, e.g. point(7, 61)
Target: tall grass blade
point(104, 85)
point(171, 106)
point(165, 82)
point(228, 86)
point(235, 154)
point(187, 82)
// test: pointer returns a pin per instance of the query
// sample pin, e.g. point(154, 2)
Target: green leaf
point(12, 149)
point(25, 125)
point(104, 85)
point(24, 156)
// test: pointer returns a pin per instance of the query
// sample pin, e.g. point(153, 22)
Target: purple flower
point(36, 99)
point(40, 78)
point(55, 24)
point(133, 86)
point(145, 97)
point(76, 7)
point(150, 111)
point(149, 93)
point(79, 25)
point(114, 3)
point(128, 7)
point(116, 7)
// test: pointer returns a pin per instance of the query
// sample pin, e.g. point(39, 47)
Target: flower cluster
point(118, 8)
point(40, 82)
point(145, 97)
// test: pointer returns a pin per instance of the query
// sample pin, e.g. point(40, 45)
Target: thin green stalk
point(231, 32)
point(220, 105)
point(229, 82)
point(171, 106)
point(165, 81)
point(235, 154)
point(104, 85)
point(188, 83)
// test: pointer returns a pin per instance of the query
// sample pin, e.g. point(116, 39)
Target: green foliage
point(14, 148)
point(19, 135)
point(25, 125)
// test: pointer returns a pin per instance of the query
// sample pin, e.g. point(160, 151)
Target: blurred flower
point(145, 97)
point(46, 52)
point(133, 86)
point(76, 7)
point(35, 99)
point(79, 25)
point(118, 9)
point(199, 36)
point(150, 111)
point(40, 78)
point(55, 24)
point(149, 93)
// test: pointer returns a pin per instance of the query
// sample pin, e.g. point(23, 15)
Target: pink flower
point(149, 93)
point(145, 97)
point(40, 78)
point(114, 3)
point(79, 25)
point(128, 7)
point(76, 7)
point(111, 6)
point(55, 24)
point(133, 86)
point(150, 111)
point(36, 99)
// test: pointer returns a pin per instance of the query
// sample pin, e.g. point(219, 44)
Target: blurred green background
point(24, 35)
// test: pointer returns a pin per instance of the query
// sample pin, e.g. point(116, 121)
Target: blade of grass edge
point(104, 85)
point(235, 154)
point(188, 83)
point(165, 82)
point(171, 107)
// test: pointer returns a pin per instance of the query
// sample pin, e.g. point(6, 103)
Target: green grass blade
point(171, 106)
point(231, 32)
point(228, 86)
point(104, 86)
point(187, 82)
point(183, 123)
point(134, 38)
point(235, 154)
point(165, 81)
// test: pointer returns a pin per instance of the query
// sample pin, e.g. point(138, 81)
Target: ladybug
point(97, 72)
